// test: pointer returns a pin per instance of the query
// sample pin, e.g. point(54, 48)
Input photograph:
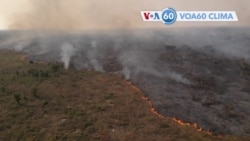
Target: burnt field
point(196, 75)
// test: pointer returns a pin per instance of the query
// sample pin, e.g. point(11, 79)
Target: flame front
point(154, 111)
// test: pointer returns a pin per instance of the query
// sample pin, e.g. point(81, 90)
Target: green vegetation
point(43, 101)
point(17, 98)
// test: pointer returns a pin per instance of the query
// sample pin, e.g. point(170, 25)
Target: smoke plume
point(67, 52)
point(138, 51)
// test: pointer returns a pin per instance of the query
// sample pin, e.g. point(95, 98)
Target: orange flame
point(195, 125)
point(153, 110)
point(180, 122)
point(133, 86)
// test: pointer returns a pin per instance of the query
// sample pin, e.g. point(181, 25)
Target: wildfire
point(195, 125)
point(133, 86)
point(154, 111)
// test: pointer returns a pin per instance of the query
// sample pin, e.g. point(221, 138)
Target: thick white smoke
point(67, 52)
point(92, 56)
point(136, 61)
point(137, 51)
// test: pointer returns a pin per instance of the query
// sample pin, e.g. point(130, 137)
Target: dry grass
point(39, 102)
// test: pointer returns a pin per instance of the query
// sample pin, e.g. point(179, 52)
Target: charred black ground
point(197, 75)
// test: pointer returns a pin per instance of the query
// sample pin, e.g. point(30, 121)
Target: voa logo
point(151, 15)
point(169, 16)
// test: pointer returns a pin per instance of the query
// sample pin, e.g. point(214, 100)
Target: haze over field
point(95, 14)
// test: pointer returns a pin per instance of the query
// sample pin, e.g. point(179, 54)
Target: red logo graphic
point(146, 15)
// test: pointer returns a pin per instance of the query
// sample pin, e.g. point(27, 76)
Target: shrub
point(44, 74)
point(55, 67)
point(2, 88)
point(34, 92)
point(109, 96)
point(17, 73)
point(31, 62)
point(33, 72)
point(17, 98)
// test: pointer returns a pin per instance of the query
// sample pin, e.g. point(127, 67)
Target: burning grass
point(79, 105)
